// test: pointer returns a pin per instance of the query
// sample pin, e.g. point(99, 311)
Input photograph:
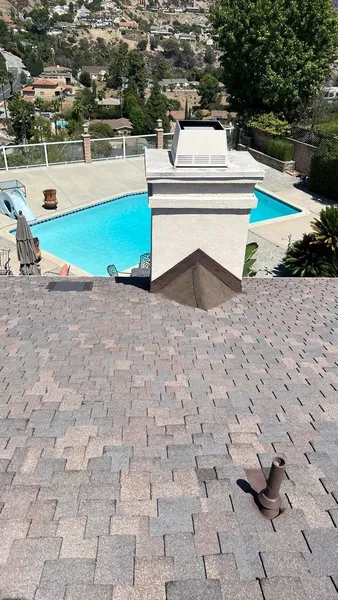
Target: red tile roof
point(42, 82)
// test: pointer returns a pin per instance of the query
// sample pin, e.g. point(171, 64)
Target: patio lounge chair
point(112, 271)
point(145, 261)
point(4, 262)
point(63, 272)
point(143, 269)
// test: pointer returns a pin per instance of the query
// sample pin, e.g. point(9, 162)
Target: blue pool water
point(119, 231)
point(269, 207)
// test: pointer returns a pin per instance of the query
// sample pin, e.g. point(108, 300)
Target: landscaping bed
point(279, 165)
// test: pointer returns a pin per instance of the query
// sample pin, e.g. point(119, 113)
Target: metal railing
point(64, 152)
point(45, 154)
point(106, 148)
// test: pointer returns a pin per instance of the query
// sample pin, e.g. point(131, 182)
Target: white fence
point(54, 153)
point(41, 155)
point(122, 147)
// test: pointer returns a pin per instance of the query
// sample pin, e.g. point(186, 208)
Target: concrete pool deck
point(83, 184)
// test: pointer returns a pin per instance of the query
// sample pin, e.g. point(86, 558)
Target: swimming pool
point(118, 231)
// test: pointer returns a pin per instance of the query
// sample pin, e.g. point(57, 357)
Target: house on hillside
point(60, 10)
point(108, 102)
point(186, 37)
point(62, 74)
point(162, 30)
point(124, 25)
point(174, 84)
point(120, 126)
point(97, 73)
point(47, 89)
point(64, 25)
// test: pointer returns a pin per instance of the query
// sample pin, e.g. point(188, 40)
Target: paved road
point(14, 64)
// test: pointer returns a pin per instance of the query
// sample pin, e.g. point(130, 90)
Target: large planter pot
point(50, 199)
point(37, 248)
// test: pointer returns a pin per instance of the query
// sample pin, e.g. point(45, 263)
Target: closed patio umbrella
point(25, 248)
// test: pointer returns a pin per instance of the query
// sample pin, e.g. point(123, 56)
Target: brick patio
point(127, 421)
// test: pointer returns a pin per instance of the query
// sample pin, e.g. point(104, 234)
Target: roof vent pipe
point(269, 500)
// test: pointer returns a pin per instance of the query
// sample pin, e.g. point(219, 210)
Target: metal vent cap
point(199, 144)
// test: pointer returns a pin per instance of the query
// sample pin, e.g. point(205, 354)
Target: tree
point(185, 57)
point(159, 67)
point(170, 47)
point(94, 88)
point(40, 20)
point(139, 120)
point(323, 176)
point(5, 35)
point(22, 118)
point(142, 45)
point(186, 110)
point(23, 78)
point(131, 99)
point(173, 103)
point(3, 80)
point(35, 65)
point(157, 107)
point(42, 130)
point(209, 56)
point(275, 53)
point(85, 79)
point(100, 130)
point(136, 70)
point(208, 90)
point(118, 67)
point(39, 104)
point(153, 43)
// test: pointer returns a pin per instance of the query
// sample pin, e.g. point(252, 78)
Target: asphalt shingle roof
point(127, 422)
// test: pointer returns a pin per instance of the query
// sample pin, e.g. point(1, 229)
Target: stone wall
point(279, 165)
point(261, 140)
point(303, 155)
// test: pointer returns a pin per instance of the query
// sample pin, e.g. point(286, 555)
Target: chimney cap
point(199, 144)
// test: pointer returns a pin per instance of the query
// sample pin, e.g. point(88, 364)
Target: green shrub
point(305, 258)
point(329, 128)
point(323, 177)
point(281, 149)
point(249, 261)
point(269, 123)
point(316, 254)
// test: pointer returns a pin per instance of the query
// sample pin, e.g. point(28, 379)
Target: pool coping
point(6, 230)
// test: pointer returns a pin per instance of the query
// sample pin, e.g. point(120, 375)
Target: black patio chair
point(5, 269)
point(112, 271)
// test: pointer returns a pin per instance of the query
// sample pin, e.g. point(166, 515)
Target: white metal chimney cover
point(199, 144)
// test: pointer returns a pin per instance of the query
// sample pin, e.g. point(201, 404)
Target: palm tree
point(55, 108)
point(326, 228)
point(38, 103)
point(101, 95)
point(305, 258)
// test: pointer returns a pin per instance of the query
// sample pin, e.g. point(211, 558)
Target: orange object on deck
point(64, 270)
